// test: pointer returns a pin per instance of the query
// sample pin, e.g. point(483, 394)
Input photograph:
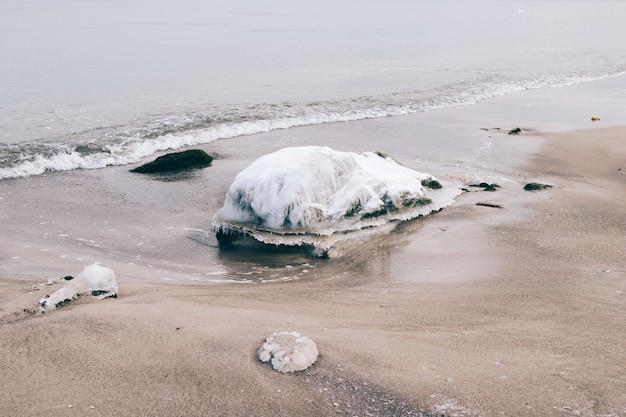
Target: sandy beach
point(516, 310)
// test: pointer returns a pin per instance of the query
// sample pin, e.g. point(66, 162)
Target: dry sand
point(535, 328)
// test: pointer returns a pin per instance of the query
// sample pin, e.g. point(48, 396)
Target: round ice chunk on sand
point(98, 279)
point(288, 351)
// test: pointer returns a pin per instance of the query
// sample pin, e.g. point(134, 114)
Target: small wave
point(99, 149)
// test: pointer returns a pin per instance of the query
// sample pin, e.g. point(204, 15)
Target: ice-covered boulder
point(95, 279)
point(317, 191)
point(288, 351)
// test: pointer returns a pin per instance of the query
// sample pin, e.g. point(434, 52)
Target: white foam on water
point(129, 150)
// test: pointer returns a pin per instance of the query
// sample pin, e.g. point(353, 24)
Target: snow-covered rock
point(317, 191)
point(288, 351)
point(94, 279)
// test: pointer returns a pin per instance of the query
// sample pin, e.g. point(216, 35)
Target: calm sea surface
point(86, 84)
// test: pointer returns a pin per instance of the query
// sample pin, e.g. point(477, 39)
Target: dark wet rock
point(68, 278)
point(486, 186)
point(515, 131)
point(63, 302)
point(178, 161)
point(534, 186)
point(489, 204)
point(97, 293)
point(432, 184)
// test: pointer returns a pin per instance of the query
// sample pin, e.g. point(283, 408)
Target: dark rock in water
point(515, 131)
point(191, 159)
point(486, 187)
point(226, 238)
point(533, 186)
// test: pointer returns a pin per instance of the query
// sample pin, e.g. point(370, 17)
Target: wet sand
point(476, 310)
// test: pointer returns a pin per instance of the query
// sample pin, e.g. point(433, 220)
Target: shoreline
point(514, 310)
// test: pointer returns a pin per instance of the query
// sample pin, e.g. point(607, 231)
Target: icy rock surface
point(315, 190)
point(288, 352)
point(95, 279)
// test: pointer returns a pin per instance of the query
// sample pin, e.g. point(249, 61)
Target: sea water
point(100, 83)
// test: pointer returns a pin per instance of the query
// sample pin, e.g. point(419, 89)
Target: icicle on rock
point(288, 352)
point(98, 280)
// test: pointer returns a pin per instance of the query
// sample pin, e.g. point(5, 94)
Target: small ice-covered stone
point(95, 279)
point(288, 351)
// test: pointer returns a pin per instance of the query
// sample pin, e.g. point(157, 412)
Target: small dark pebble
point(489, 204)
point(485, 186)
point(68, 278)
point(64, 302)
point(534, 186)
point(96, 293)
point(515, 131)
